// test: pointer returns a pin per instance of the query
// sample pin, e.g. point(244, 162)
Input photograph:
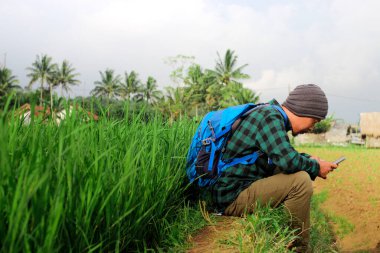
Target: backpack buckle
point(207, 141)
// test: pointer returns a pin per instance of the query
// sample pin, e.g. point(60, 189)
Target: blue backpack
point(204, 158)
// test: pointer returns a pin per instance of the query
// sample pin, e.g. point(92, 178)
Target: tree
point(176, 102)
point(214, 96)
point(236, 94)
point(226, 71)
point(130, 86)
point(43, 70)
point(8, 82)
point(150, 92)
point(197, 82)
point(180, 64)
point(64, 76)
point(324, 125)
point(247, 96)
point(108, 86)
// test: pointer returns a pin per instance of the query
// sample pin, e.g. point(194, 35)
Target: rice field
point(107, 186)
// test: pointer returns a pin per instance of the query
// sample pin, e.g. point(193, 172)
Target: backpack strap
point(212, 156)
point(248, 159)
point(286, 119)
point(238, 121)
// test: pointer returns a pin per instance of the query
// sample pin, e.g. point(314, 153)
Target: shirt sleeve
point(305, 155)
point(272, 139)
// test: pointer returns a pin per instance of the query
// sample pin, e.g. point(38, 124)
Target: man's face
point(304, 125)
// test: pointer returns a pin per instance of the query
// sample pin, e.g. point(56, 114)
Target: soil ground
point(353, 196)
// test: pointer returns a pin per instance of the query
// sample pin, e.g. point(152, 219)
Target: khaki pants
point(293, 190)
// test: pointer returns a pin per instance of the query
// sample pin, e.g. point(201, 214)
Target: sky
point(332, 43)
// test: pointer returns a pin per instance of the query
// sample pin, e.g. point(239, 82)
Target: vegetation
point(323, 126)
point(8, 82)
point(108, 86)
point(42, 70)
point(267, 230)
point(226, 71)
point(198, 90)
point(64, 76)
point(130, 87)
point(47, 72)
point(112, 185)
point(321, 235)
point(150, 92)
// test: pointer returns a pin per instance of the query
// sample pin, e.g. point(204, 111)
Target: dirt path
point(357, 211)
point(354, 195)
point(358, 204)
point(209, 239)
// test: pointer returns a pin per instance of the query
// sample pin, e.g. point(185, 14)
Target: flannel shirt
point(263, 129)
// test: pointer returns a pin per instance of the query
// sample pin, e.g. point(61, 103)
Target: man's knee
point(303, 182)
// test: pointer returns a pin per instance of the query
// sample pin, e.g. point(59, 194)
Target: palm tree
point(43, 70)
point(65, 76)
point(7, 82)
point(150, 92)
point(236, 94)
point(108, 86)
point(197, 83)
point(176, 101)
point(130, 86)
point(226, 70)
point(247, 96)
point(214, 96)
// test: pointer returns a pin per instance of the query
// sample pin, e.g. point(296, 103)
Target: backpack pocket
point(203, 161)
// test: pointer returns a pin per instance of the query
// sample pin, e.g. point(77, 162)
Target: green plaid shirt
point(264, 129)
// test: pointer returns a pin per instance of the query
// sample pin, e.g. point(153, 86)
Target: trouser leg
point(293, 190)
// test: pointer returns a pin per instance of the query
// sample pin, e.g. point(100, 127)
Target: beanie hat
point(307, 100)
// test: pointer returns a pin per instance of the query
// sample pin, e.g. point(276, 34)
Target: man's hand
point(325, 168)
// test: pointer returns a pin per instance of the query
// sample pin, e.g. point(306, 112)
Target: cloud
point(332, 43)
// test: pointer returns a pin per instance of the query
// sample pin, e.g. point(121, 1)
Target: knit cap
point(307, 100)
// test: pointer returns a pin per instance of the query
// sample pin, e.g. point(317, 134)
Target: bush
point(323, 126)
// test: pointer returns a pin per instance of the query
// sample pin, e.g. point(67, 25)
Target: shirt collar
point(288, 126)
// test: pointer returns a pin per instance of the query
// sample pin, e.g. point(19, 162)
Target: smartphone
point(341, 159)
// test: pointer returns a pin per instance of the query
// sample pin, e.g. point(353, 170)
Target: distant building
point(370, 128)
point(25, 114)
point(366, 133)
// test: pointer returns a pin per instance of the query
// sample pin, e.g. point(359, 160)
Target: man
point(240, 187)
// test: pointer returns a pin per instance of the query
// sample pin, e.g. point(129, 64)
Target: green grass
point(267, 230)
point(322, 238)
point(188, 222)
point(343, 226)
point(109, 186)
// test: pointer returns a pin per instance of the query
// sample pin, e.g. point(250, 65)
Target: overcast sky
point(332, 43)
